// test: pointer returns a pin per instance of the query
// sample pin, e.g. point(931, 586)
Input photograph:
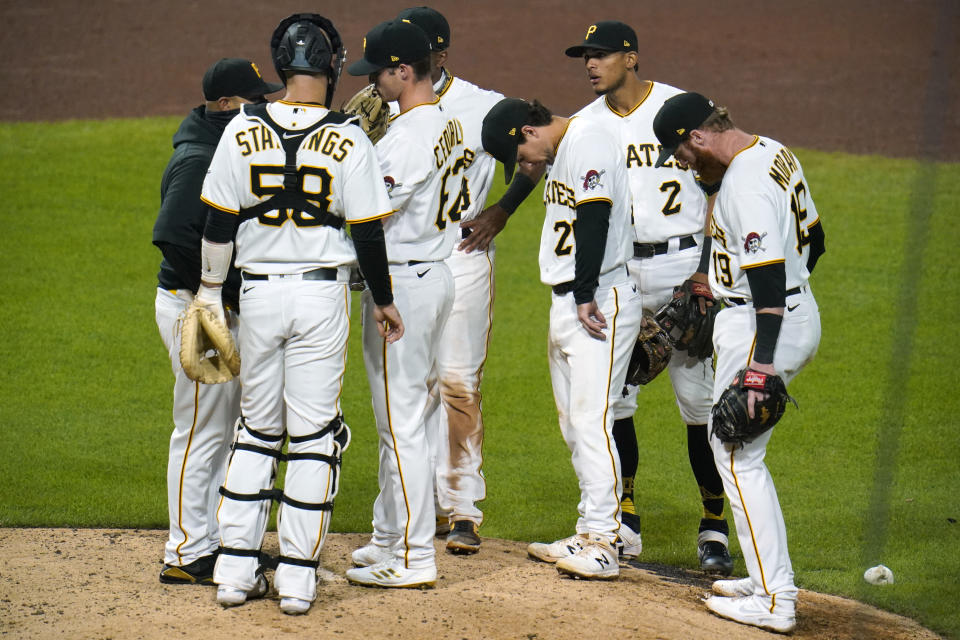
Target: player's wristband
point(215, 259)
point(768, 330)
point(704, 266)
point(520, 187)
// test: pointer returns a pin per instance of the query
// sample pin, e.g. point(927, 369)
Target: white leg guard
point(306, 505)
point(245, 507)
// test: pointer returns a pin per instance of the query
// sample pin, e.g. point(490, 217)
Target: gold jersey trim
point(218, 207)
point(606, 101)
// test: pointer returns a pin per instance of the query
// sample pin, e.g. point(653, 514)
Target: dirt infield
point(102, 584)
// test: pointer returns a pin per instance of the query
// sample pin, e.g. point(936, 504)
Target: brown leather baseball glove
point(651, 353)
point(374, 113)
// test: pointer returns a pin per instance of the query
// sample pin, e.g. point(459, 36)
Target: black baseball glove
point(688, 319)
point(651, 353)
point(732, 423)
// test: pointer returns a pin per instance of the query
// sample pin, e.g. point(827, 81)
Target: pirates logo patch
point(592, 179)
point(391, 184)
point(754, 242)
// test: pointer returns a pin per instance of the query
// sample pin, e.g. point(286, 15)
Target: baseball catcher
point(373, 112)
point(688, 319)
point(732, 422)
point(208, 353)
point(651, 353)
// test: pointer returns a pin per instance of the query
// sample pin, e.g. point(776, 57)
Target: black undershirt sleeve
point(704, 266)
point(520, 187)
point(221, 226)
point(590, 235)
point(372, 257)
point(817, 247)
point(768, 288)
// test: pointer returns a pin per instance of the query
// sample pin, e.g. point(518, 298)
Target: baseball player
point(462, 350)
point(422, 161)
point(285, 179)
point(669, 210)
point(595, 312)
point(203, 415)
point(766, 239)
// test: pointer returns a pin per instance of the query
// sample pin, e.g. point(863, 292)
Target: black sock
point(625, 436)
point(708, 479)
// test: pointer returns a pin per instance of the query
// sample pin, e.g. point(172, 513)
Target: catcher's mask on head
point(308, 42)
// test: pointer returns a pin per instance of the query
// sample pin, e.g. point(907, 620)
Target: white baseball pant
point(398, 373)
point(293, 345)
point(587, 376)
point(746, 480)
point(204, 416)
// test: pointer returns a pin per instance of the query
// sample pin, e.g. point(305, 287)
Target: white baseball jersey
point(423, 161)
point(762, 216)
point(587, 167)
point(247, 169)
point(666, 201)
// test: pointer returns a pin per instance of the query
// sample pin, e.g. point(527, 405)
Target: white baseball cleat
point(370, 554)
point(733, 588)
point(294, 606)
point(392, 573)
point(757, 611)
point(228, 596)
point(630, 543)
point(553, 551)
point(597, 560)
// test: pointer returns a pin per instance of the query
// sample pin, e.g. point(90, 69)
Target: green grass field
point(866, 469)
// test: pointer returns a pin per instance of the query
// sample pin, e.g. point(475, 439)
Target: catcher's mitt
point(732, 423)
point(373, 111)
point(208, 353)
point(689, 329)
point(651, 353)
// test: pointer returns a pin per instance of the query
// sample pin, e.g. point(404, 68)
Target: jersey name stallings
point(325, 140)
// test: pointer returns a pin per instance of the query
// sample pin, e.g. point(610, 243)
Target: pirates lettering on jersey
point(719, 235)
point(256, 138)
point(559, 193)
point(644, 154)
point(451, 137)
point(784, 165)
point(326, 142)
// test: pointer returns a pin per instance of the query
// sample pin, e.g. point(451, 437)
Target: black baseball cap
point(235, 77)
point(608, 35)
point(501, 133)
point(433, 24)
point(678, 116)
point(390, 44)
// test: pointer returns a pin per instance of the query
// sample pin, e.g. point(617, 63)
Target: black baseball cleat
point(200, 571)
point(715, 558)
point(463, 538)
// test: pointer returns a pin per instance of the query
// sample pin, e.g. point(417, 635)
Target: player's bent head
point(233, 78)
point(431, 22)
point(503, 125)
point(678, 116)
point(390, 44)
point(308, 43)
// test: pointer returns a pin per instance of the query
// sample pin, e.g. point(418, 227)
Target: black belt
point(660, 248)
point(740, 301)
point(323, 273)
point(563, 288)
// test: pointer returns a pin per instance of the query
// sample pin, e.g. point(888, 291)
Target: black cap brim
point(580, 49)
point(363, 67)
point(501, 132)
point(664, 156)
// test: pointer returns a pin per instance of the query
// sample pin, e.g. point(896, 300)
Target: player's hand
point(702, 301)
point(389, 322)
point(210, 296)
point(483, 228)
point(592, 320)
point(753, 396)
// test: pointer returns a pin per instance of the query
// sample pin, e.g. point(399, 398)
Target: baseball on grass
point(878, 575)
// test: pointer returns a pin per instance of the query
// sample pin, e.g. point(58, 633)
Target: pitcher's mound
point(102, 583)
